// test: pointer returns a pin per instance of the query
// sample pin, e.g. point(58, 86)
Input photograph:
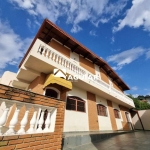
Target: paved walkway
point(139, 140)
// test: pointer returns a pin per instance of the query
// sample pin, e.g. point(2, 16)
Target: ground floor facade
point(85, 111)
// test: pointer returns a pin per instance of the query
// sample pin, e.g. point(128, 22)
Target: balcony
point(43, 58)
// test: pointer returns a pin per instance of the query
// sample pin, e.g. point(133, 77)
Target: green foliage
point(139, 105)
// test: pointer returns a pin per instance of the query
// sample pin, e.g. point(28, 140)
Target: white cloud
point(136, 16)
point(135, 95)
point(148, 55)
point(29, 23)
point(76, 28)
point(75, 11)
point(112, 39)
point(12, 47)
point(134, 88)
point(93, 33)
point(125, 57)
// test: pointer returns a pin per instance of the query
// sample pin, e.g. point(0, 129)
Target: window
point(51, 92)
point(116, 112)
point(75, 103)
point(127, 116)
point(102, 110)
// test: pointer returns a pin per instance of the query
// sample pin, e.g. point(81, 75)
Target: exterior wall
point(145, 116)
point(97, 71)
point(88, 65)
point(136, 122)
point(74, 57)
point(62, 95)
point(118, 120)
point(92, 112)
point(125, 124)
point(104, 77)
point(36, 85)
point(7, 78)
point(76, 121)
point(104, 122)
point(116, 87)
point(60, 48)
point(51, 140)
point(112, 116)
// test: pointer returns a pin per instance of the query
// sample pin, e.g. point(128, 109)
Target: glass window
point(51, 93)
point(116, 112)
point(75, 103)
point(102, 110)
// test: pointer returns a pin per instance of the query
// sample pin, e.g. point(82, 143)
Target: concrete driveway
point(138, 140)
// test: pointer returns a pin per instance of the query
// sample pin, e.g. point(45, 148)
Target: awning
point(51, 79)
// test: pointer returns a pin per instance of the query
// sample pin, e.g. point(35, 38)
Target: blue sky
point(116, 30)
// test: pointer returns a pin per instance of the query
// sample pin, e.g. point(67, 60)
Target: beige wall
point(118, 120)
point(7, 78)
point(145, 118)
point(136, 122)
point(76, 121)
point(103, 121)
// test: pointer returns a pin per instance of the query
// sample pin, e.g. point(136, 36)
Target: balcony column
point(32, 123)
point(12, 123)
point(60, 60)
point(42, 50)
point(40, 122)
point(47, 52)
point(54, 56)
point(47, 122)
point(64, 63)
point(57, 58)
point(3, 119)
point(23, 123)
point(51, 53)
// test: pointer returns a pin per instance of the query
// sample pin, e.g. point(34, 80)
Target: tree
point(139, 105)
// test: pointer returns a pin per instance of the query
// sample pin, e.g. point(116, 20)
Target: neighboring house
point(7, 78)
point(147, 97)
point(91, 105)
point(144, 98)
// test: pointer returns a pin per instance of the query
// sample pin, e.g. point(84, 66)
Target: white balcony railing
point(23, 118)
point(60, 59)
point(72, 68)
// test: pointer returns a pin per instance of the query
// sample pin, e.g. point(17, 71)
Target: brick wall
point(60, 48)
point(44, 141)
point(117, 87)
point(112, 116)
point(104, 76)
point(36, 85)
point(86, 64)
point(92, 112)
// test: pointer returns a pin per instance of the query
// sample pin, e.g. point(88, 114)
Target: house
point(144, 98)
point(94, 95)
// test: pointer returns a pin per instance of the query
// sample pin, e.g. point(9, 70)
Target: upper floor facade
point(53, 48)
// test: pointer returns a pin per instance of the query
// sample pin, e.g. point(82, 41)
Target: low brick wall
point(44, 141)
